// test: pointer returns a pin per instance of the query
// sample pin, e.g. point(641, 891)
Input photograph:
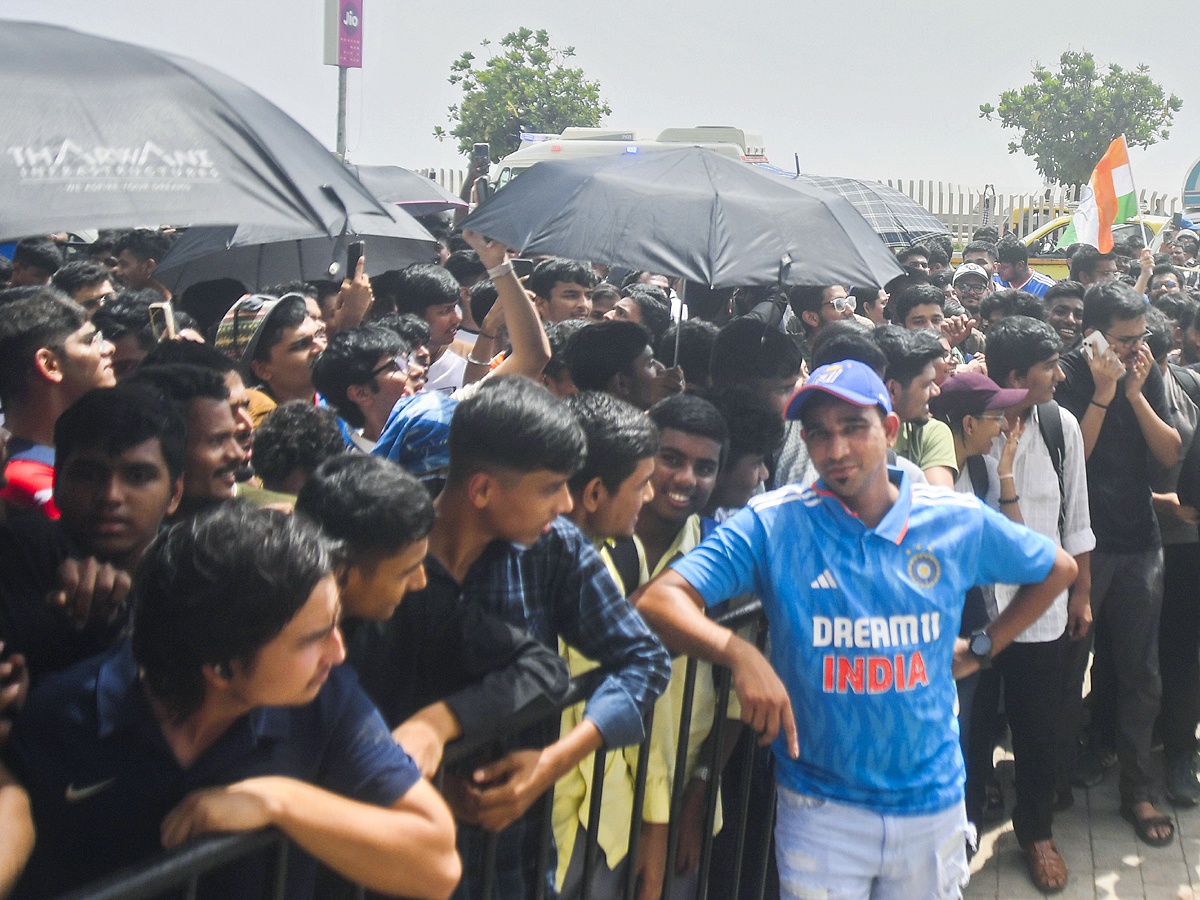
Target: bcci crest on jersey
point(924, 570)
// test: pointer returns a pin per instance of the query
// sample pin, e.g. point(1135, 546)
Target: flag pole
point(1136, 196)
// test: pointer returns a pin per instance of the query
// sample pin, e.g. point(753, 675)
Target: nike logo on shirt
point(74, 794)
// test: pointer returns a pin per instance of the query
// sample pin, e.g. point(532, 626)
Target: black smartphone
point(481, 152)
point(353, 254)
point(522, 267)
point(1177, 221)
point(162, 320)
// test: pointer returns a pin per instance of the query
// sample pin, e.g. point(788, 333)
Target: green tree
point(1068, 118)
point(526, 87)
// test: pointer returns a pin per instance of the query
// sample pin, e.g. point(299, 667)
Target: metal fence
point(181, 870)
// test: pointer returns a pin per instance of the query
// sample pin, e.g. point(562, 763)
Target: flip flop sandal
point(1141, 827)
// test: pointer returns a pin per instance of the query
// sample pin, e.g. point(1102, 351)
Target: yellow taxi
point(1043, 242)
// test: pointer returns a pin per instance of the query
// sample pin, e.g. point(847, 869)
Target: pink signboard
point(350, 33)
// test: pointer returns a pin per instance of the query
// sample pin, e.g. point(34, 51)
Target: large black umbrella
point(691, 213)
point(418, 195)
point(96, 133)
point(259, 256)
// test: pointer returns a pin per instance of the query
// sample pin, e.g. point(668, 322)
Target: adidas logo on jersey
point(824, 580)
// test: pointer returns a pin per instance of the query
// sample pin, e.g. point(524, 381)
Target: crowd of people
point(265, 555)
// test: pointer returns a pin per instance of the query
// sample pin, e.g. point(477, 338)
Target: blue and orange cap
point(848, 380)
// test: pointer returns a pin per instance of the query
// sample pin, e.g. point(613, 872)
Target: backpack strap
point(624, 554)
point(980, 482)
point(1050, 425)
point(1189, 380)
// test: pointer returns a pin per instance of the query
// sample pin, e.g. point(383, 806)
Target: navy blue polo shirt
point(102, 777)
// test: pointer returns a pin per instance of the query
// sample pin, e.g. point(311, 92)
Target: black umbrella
point(418, 195)
point(260, 256)
point(96, 133)
point(897, 218)
point(691, 213)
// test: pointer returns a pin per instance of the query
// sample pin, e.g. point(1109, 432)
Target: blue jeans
point(832, 851)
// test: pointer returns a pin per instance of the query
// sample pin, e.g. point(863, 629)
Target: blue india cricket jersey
point(863, 623)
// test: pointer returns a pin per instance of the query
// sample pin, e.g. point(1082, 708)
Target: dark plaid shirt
point(559, 587)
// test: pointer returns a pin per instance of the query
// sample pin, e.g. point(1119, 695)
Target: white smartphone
point(1095, 344)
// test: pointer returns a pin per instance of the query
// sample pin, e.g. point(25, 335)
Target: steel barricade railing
point(184, 867)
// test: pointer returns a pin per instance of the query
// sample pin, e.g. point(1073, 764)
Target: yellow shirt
point(572, 793)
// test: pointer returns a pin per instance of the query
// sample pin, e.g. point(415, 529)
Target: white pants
point(833, 851)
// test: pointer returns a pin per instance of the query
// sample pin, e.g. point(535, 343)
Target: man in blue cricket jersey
point(863, 577)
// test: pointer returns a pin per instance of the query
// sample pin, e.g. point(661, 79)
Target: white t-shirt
point(446, 375)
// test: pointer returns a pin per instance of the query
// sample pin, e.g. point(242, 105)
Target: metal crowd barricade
point(183, 868)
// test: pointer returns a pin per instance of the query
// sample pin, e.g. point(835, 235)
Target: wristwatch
point(980, 646)
point(702, 773)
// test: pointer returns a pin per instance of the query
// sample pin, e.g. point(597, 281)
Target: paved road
point(1105, 859)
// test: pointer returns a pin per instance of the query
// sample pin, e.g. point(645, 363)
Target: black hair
point(1085, 260)
point(1187, 312)
point(694, 415)
point(1010, 250)
point(754, 425)
point(848, 339)
point(117, 418)
point(81, 273)
point(128, 315)
point(604, 289)
point(290, 313)
point(596, 354)
point(38, 253)
point(917, 295)
point(209, 300)
point(349, 359)
point(384, 286)
point(938, 257)
point(466, 267)
point(981, 246)
point(550, 272)
point(294, 435)
point(422, 285)
point(181, 384)
point(1011, 302)
point(618, 435)
point(989, 233)
point(559, 335)
point(216, 589)
point(807, 298)
point(144, 244)
point(43, 318)
point(899, 285)
point(1064, 288)
point(696, 340)
point(942, 279)
point(303, 288)
point(939, 245)
point(1170, 304)
point(514, 424)
point(906, 253)
point(654, 307)
point(483, 297)
point(748, 348)
point(412, 329)
point(907, 352)
point(1111, 301)
point(369, 504)
point(1017, 343)
point(1161, 337)
point(1167, 269)
point(189, 353)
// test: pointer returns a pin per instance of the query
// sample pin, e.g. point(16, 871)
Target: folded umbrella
point(98, 133)
point(690, 213)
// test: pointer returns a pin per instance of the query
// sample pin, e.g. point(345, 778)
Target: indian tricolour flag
point(1109, 199)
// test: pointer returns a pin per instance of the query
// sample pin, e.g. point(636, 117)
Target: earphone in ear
point(222, 669)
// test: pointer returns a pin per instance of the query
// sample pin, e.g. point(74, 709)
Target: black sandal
point(1141, 827)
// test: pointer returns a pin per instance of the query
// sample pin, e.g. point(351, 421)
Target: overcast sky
point(867, 89)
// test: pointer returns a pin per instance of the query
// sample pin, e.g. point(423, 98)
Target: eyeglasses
point(999, 417)
point(841, 304)
point(1128, 341)
point(398, 363)
point(970, 288)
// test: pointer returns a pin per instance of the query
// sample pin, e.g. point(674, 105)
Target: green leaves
point(526, 87)
point(1067, 119)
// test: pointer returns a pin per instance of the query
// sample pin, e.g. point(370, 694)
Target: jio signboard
point(343, 33)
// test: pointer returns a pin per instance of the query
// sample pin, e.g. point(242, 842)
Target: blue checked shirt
point(559, 587)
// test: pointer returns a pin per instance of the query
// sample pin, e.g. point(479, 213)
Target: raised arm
point(530, 346)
